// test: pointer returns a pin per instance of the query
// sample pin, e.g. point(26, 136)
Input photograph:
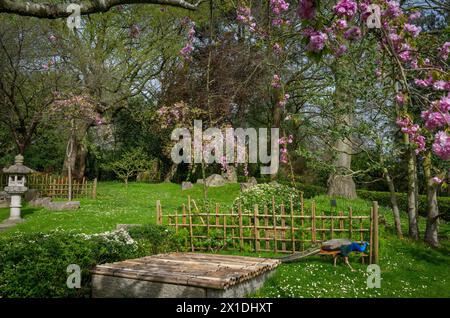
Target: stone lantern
point(16, 186)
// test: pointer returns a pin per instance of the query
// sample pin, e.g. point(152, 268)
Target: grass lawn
point(409, 269)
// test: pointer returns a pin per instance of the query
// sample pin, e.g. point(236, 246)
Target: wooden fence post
point(274, 220)
point(241, 229)
point(292, 227)
point(158, 212)
point(375, 242)
point(313, 222)
point(191, 232)
point(94, 189)
point(256, 227)
point(350, 224)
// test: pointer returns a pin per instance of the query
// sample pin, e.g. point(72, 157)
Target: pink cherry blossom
point(277, 48)
point(435, 120)
point(345, 8)
point(317, 42)
point(444, 104)
point(437, 180)
point(414, 16)
point(306, 9)
point(445, 50)
point(276, 81)
point(441, 145)
point(354, 33)
point(400, 99)
point(439, 85)
point(341, 24)
point(393, 10)
point(412, 29)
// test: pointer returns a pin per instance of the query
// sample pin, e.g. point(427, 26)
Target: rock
point(126, 227)
point(63, 205)
point(230, 175)
point(200, 181)
point(185, 185)
point(215, 180)
point(4, 204)
point(249, 184)
point(31, 195)
point(40, 202)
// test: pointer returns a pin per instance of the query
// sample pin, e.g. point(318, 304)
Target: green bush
point(383, 198)
point(262, 194)
point(34, 265)
point(157, 238)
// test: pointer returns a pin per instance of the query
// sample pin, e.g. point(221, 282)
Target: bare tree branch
point(56, 11)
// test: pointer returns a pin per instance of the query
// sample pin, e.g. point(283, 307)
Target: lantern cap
point(18, 167)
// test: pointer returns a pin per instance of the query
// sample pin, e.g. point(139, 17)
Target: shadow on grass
point(28, 211)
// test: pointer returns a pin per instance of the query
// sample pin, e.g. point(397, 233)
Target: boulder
point(40, 202)
point(200, 181)
point(63, 205)
point(31, 195)
point(230, 175)
point(185, 185)
point(215, 180)
point(249, 184)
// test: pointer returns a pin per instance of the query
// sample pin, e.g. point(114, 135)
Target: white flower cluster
point(120, 236)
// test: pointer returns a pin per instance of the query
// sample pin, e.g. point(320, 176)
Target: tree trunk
point(79, 153)
point(412, 198)
point(171, 173)
point(82, 155)
point(340, 183)
point(394, 203)
point(70, 159)
point(431, 231)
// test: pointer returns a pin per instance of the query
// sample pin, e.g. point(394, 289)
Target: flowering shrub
point(34, 265)
point(262, 194)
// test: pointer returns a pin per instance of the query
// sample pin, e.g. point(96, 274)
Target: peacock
point(335, 247)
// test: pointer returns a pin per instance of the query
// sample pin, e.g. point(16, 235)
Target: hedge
point(35, 264)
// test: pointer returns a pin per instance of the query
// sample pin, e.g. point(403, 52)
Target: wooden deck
point(205, 272)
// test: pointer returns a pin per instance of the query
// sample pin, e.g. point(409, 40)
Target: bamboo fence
point(57, 186)
point(271, 229)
